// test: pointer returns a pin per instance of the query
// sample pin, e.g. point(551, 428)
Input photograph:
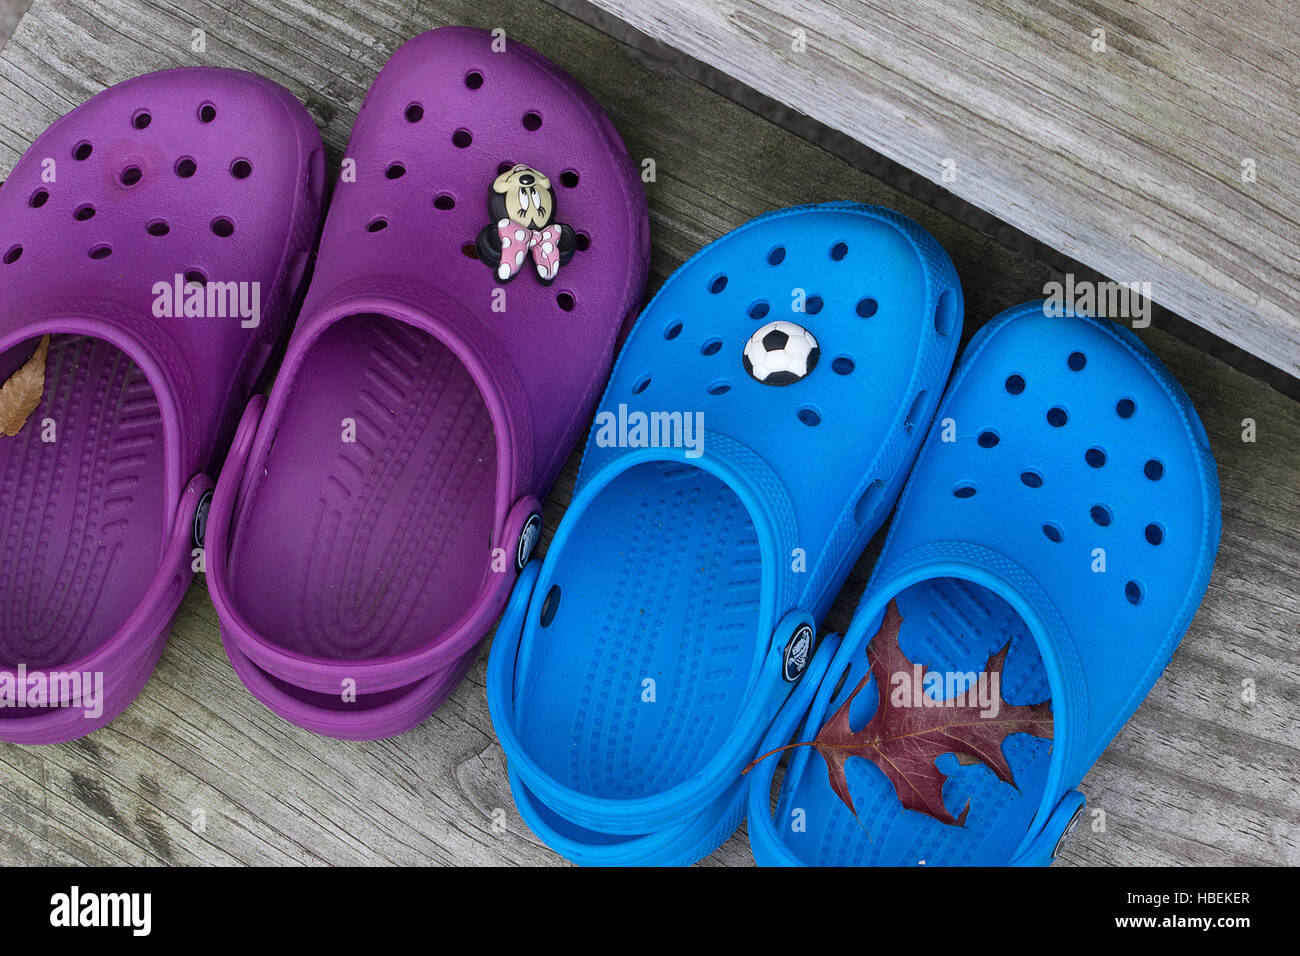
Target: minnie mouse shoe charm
point(522, 205)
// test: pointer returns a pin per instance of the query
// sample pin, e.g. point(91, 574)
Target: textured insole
point(369, 532)
point(636, 680)
point(949, 625)
point(81, 504)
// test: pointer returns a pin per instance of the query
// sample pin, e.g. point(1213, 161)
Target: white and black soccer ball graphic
point(781, 353)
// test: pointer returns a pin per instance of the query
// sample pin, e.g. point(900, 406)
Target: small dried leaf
point(20, 396)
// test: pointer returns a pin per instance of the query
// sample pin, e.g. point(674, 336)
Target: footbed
point(660, 582)
point(372, 547)
point(948, 625)
point(81, 516)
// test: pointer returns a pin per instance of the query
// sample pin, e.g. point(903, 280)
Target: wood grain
point(1129, 160)
point(1196, 777)
point(11, 11)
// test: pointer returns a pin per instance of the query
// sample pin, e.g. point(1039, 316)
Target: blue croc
point(1065, 509)
point(757, 428)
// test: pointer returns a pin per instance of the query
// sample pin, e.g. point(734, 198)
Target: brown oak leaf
point(904, 741)
point(20, 395)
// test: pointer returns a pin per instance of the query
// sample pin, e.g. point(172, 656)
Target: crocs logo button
point(521, 203)
point(528, 538)
point(781, 353)
point(797, 653)
point(1068, 832)
point(201, 518)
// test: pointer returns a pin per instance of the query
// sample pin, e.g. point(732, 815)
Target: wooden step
point(1155, 142)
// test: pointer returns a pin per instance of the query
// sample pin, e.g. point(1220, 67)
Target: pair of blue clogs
point(764, 415)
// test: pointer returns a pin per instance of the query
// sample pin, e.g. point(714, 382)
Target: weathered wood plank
point(1128, 159)
point(11, 11)
point(1196, 777)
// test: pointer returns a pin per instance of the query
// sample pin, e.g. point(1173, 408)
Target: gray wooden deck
point(1198, 776)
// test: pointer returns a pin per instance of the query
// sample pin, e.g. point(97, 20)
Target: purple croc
point(152, 243)
point(486, 242)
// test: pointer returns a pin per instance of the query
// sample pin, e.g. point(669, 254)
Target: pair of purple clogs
point(361, 528)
